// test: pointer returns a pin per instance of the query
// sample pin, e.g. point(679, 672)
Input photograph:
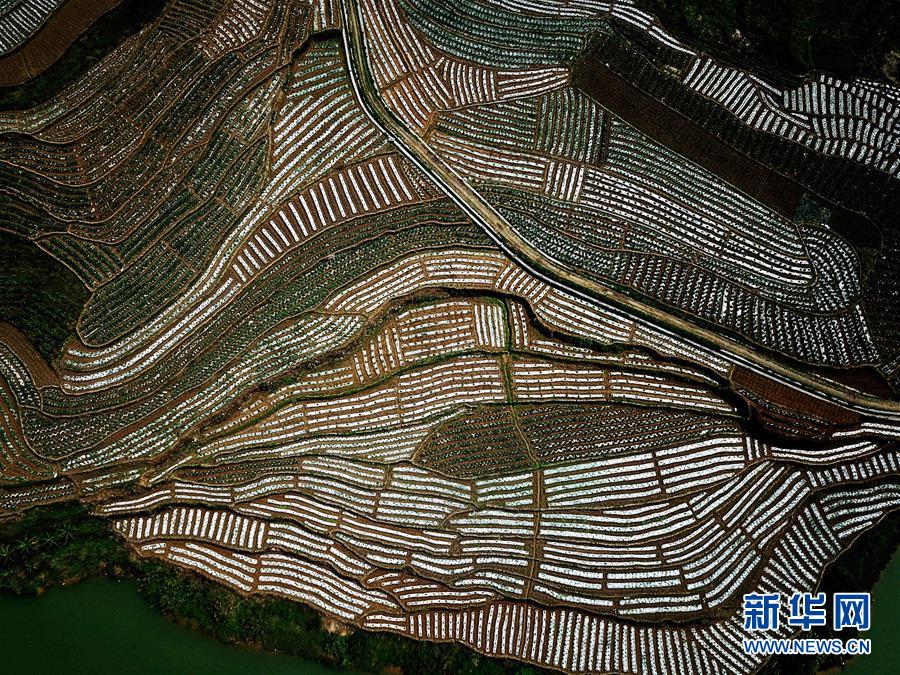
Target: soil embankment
point(51, 40)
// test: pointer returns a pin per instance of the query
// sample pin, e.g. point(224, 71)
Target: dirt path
point(40, 371)
point(43, 49)
point(549, 271)
point(678, 133)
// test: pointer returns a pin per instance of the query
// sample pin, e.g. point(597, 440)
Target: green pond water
point(885, 630)
point(104, 627)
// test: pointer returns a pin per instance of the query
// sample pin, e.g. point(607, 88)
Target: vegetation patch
point(64, 543)
point(38, 295)
point(56, 545)
point(856, 570)
point(110, 30)
point(852, 39)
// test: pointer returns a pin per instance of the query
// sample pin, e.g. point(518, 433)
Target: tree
point(66, 532)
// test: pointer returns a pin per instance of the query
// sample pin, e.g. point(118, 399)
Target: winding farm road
point(558, 275)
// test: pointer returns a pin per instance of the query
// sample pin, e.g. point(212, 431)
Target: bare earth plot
point(392, 314)
point(35, 33)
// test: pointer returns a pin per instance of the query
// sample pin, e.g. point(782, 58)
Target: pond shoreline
point(885, 627)
point(140, 636)
point(52, 545)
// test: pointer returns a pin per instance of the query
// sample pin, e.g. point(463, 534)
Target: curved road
point(556, 274)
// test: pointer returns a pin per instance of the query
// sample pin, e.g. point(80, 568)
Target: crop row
point(21, 19)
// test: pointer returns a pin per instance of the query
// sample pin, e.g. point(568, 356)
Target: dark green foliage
point(230, 617)
point(55, 544)
point(843, 182)
point(290, 627)
point(38, 295)
point(63, 543)
point(495, 36)
point(811, 212)
point(52, 545)
point(296, 629)
point(863, 201)
point(852, 38)
point(856, 569)
point(99, 40)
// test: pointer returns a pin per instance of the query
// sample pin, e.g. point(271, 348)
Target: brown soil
point(789, 412)
point(866, 379)
point(50, 42)
point(39, 370)
point(777, 191)
point(336, 627)
point(682, 135)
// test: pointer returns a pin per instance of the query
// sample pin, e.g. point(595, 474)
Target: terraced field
point(386, 315)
